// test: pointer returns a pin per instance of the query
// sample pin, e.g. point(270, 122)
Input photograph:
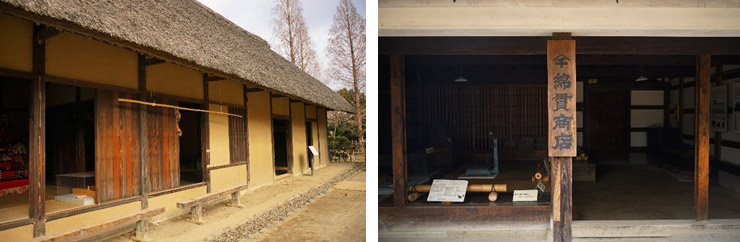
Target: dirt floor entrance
point(643, 192)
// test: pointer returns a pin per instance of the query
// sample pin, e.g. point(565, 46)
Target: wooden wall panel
point(516, 114)
point(163, 151)
point(237, 135)
point(116, 147)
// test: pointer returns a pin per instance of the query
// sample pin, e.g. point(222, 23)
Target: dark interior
point(190, 145)
point(281, 131)
point(505, 97)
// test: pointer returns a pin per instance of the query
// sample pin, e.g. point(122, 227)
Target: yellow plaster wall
point(73, 56)
point(324, 152)
point(169, 202)
point(316, 144)
point(228, 177)
point(280, 106)
point(174, 80)
point(218, 128)
point(298, 131)
point(226, 91)
point(260, 139)
point(97, 216)
point(16, 39)
point(17, 234)
point(311, 111)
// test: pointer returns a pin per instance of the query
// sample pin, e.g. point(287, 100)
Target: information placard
point(448, 190)
point(525, 195)
point(313, 150)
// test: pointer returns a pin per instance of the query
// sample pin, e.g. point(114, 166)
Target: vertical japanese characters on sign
point(561, 98)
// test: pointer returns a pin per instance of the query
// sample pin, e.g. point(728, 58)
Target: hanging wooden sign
point(561, 96)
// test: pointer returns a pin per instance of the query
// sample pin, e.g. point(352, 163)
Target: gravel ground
point(284, 210)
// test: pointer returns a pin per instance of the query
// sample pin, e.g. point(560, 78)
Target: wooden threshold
point(464, 213)
point(15, 223)
point(104, 227)
point(283, 176)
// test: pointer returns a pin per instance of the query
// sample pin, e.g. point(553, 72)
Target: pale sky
point(255, 16)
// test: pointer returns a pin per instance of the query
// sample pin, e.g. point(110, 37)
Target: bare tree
point(347, 52)
point(290, 30)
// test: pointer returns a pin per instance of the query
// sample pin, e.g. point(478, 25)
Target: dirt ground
point(221, 218)
point(337, 216)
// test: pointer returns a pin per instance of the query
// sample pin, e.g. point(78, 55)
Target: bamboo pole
point(175, 107)
point(471, 188)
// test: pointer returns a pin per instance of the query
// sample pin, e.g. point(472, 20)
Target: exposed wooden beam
point(537, 45)
point(398, 129)
point(583, 60)
point(47, 32)
point(254, 89)
point(152, 61)
point(701, 139)
point(214, 78)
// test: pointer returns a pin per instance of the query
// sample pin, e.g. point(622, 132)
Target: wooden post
point(141, 226)
point(701, 138)
point(679, 112)
point(561, 88)
point(398, 129)
point(37, 139)
point(205, 144)
point(718, 135)
point(246, 131)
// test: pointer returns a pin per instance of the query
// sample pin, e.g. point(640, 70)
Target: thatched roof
point(187, 30)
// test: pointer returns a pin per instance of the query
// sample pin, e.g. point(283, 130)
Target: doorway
point(281, 145)
point(608, 123)
point(309, 144)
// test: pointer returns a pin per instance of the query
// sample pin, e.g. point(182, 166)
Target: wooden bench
point(196, 204)
point(139, 218)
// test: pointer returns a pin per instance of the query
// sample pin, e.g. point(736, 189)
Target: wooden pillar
point(37, 139)
point(701, 138)
point(142, 226)
point(246, 132)
point(205, 143)
point(562, 129)
point(398, 130)
point(679, 112)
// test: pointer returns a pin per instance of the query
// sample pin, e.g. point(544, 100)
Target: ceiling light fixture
point(641, 77)
point(460, 78)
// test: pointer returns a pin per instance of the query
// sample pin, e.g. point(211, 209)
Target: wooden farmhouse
point(117, 113)
point(565, 119)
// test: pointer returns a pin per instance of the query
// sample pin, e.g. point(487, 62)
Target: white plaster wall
point(646, 97)
point(638, 139)
point(645, 118)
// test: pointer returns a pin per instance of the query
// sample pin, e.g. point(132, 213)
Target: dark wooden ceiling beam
point(47, 32)
point(214, 78)
point(489, 60)
point(152, 61)
point(537, 45)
